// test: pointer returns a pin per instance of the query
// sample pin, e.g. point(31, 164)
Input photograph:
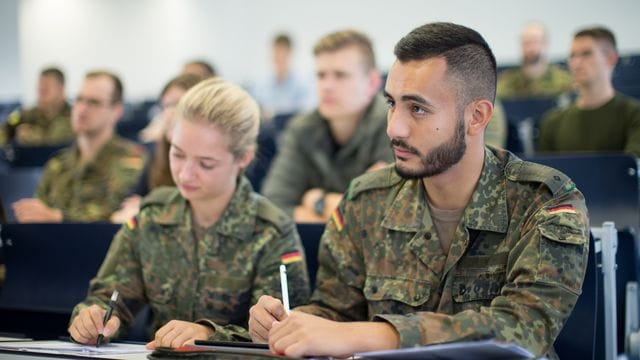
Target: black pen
point(107, 315)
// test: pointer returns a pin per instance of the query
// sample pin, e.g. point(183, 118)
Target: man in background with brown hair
point(344, 137)
point(87, 181)
point(48, 122)
point(600, 119)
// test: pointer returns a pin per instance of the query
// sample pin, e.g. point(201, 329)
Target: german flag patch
point(337, 219)
point(562, 209)
point(291, 257)
point(132, 223)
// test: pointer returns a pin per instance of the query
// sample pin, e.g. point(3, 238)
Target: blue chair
point(523, 119)
point(48, 268)
point(609, 183)
point(16, 184)
point(310, 235)
point(18, 156)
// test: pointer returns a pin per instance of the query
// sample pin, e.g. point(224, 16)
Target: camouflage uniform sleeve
point(341, 270)
point(120, 269)
point(281, 245)
point(46, 179)
point(544, 275)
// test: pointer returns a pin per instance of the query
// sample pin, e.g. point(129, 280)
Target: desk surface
point(55, 349)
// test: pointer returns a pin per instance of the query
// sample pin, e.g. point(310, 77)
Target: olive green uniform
point(91, 191)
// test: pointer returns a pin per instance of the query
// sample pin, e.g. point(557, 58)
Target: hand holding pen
point(107, 315)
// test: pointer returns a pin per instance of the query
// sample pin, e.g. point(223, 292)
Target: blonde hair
point(345, 38)
point(227, 107)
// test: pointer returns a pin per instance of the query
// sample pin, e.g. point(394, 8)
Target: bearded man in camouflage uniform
point(89, 180)
point(458, 241)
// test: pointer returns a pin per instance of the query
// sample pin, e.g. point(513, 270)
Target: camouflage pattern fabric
point(155, 260)
point(91, 191)
point(513, 83)
point(37, 128)
point(514, 270)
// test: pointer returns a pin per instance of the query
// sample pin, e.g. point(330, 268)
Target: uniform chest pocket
point(407, 291)
point(478, 286)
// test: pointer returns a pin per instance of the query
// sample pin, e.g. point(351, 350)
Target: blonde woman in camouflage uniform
point(200, 254)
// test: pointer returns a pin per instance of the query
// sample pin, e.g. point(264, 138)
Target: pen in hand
point(285, 288)
point(107, 315)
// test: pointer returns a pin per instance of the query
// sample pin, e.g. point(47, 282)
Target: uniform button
point(463, 290)
point(427, 236)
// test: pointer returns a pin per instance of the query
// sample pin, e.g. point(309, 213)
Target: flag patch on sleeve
point(291, 257)
point(132, 223)
point(337, 219)
point(562, 209)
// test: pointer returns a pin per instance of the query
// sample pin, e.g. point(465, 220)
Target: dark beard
point(437, 160)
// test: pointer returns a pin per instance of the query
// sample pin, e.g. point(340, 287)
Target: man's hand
point(177, 333)
point(262, 315)
point(128, 209)
point(33, 210)
point(303, 334)
point(87, 325)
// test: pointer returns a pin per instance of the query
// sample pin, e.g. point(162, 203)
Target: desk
point(55, 349)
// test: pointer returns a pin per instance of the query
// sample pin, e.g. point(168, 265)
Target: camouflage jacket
point(513, 83)
point(39, 128)
point(307, 157)
point(514, 270)
point(93, 190)
point(156, 260)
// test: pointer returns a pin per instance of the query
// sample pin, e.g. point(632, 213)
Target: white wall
point(10, 86)
point(146, 41)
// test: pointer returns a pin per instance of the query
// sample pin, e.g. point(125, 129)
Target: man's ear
point(118, 111)
point(480, 112)
point(375, 81)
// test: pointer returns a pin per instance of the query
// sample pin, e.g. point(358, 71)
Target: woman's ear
point(481, 112)
point(246, 158)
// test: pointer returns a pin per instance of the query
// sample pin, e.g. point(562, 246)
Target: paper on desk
point(471, 350)
point(67, 348)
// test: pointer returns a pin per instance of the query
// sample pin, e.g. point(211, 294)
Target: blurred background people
point(599, 119)
point(48, 123)
point(87, 181)
point(535, 77)
point(156, 171)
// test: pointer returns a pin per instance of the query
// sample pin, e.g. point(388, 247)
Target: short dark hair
point(205, 64)
point(118, 92)
point(342, 39)
point(470, 61)
point(55, 73)
point(282, 40)
point(600, 34)
point(183, 81)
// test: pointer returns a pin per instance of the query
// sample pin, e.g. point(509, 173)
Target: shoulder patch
point(382, 178)
point(532, 172)
point(160, 195)
point(271, 213)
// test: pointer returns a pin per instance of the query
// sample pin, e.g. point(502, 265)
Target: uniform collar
point(487, 210)
point(237, 220)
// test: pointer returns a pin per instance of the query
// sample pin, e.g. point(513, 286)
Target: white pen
point(285, 288)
